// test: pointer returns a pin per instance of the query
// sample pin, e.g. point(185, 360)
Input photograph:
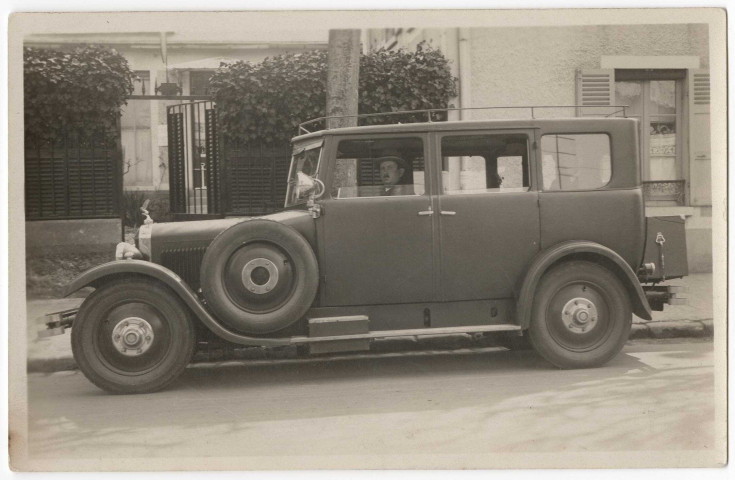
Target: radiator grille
point(185, 262)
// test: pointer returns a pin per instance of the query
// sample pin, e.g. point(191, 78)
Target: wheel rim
point(259, 277)
point(133, 338)
point(578, 316)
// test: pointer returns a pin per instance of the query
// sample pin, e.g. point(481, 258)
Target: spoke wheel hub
point(579, 315)
point(132, 336)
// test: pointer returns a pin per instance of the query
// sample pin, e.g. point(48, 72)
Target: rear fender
point(97, 276)
point(579, 250)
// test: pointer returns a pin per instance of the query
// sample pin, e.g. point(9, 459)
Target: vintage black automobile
point(533, 227)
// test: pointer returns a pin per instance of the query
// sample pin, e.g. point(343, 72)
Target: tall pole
point(343, 69)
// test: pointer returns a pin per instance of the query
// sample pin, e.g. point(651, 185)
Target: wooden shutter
point(255, 179)
point(700, 181)
point(595, 88)
point(176, 162)
point(70, 180)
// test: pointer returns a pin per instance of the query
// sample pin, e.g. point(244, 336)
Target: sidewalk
point(691, 320)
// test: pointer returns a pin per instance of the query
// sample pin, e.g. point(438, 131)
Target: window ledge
point(672, 211)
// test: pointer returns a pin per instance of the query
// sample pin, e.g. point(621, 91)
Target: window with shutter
point(595, 88)
point(655, 98)
point(699, 138)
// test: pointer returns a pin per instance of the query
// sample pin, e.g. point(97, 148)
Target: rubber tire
point(280, 237)
point(620, 314)
point(92, 313)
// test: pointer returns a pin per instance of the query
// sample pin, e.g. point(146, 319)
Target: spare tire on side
point(259, 276)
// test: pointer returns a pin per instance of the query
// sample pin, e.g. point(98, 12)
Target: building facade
point(660, 72)
point(171, 68)
point(185, 59)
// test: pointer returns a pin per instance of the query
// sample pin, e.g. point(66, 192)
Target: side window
point(379, 167)
point(575, 161)
point(484, 163)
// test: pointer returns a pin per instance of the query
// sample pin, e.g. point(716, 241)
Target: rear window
point(575, 161)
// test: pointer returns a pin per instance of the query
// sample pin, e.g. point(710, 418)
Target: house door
point(656, 99)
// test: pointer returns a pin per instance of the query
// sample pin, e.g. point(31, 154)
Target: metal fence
point(194, 173)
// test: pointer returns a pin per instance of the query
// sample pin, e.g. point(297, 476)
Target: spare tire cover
point(259, 276)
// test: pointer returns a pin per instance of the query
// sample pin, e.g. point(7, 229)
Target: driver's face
point(390, 173)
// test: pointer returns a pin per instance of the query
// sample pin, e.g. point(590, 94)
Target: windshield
point(304, 168)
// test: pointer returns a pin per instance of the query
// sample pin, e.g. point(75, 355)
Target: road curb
point(50, 365)
point(673, 329)
point(656, 330)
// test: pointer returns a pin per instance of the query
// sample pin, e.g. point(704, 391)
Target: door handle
point(445, 212)
point(425, 213)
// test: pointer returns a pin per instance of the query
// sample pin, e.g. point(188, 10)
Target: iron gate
point(193, 159)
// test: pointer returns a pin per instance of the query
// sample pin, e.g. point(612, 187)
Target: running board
point(415, 332)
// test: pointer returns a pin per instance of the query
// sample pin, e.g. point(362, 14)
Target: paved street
point(657, 396)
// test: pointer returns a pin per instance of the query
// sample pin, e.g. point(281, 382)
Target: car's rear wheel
point(581, 315)
point(132, 336)
point(259, 276)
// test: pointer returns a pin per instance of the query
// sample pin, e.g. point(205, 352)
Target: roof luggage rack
point(429, 111)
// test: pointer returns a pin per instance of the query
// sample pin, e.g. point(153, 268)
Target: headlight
point(125, 251)
point(143, 241)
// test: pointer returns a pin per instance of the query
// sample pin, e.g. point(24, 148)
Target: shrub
point(80, 90)
point(400, 80)
point(264, 103)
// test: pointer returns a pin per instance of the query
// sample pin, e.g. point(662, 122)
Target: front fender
point(579, 249)
point(95, 277)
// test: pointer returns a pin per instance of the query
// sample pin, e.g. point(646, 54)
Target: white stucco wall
point(536, 65)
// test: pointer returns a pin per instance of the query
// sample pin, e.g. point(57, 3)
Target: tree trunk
point(343, 68)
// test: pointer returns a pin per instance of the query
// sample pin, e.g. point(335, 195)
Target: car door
point(488, 212)
point(378, 246)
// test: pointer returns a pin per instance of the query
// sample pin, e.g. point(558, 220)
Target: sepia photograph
point(408, 239)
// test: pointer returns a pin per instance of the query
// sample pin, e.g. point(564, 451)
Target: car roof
point(592, 123)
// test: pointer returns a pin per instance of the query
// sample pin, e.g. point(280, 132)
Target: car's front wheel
point(133, 336)
point(581, 315)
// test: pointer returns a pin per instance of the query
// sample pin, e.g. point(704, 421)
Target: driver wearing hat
point(392, 169)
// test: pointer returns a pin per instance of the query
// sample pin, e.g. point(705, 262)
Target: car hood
point(200, 233)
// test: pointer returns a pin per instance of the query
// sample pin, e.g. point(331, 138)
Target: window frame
point(429, 184)
point(530, 134)
point(297, 150)
point(145, 79)
point(646, 77)
point(200, 71)
point(540, 161)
